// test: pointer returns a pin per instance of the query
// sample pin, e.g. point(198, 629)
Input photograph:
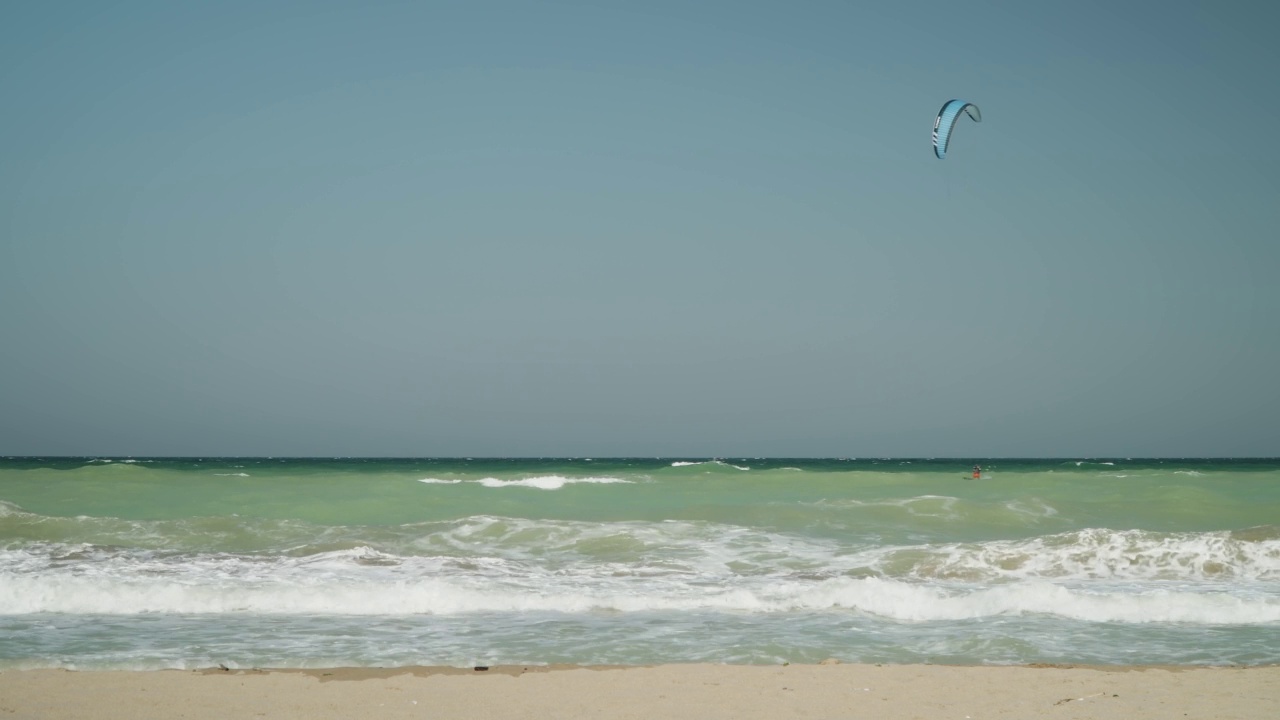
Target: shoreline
point(352, 672)
point(833, 690)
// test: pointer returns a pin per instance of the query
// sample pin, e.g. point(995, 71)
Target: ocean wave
point(499, 564)
point(1092, 554)
point(267, 593)
point(936, 507)
point(541, 482)
point(714, 463)
point(711, 549)
point(920, 603)
point(21, 530)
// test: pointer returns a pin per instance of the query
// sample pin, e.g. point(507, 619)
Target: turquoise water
point(150, 563)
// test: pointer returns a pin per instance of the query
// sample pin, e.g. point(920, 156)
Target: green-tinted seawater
point(256, 561)
point(939, 498)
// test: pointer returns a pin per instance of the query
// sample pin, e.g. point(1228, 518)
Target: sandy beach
point(888, 692)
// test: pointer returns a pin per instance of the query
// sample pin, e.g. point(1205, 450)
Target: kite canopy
point(947, 118)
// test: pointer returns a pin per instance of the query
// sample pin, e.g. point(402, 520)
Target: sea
point(150, 563)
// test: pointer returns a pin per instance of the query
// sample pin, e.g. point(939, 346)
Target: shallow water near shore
point(252, 562)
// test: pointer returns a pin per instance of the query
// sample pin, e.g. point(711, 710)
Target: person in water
point(977, 471)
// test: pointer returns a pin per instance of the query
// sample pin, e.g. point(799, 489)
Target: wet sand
point(695, 692)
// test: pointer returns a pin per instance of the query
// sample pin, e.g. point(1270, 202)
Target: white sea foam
point(685, 463)
point(495, 564)
point(1093, 554)
point(325, 592)
point(712, 550)
point(936, 506)
point(942, 506)
point(548, 482)
point(912, 602)
point(1033, 507)
point(541, 482)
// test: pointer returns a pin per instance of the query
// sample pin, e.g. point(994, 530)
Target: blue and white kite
point(947, 118)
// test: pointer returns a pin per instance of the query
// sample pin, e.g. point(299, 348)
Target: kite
point(946, 121)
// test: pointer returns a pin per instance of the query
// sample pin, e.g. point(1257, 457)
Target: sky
point(638, 229)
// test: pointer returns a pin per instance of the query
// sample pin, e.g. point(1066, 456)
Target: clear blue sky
point(646, 228)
